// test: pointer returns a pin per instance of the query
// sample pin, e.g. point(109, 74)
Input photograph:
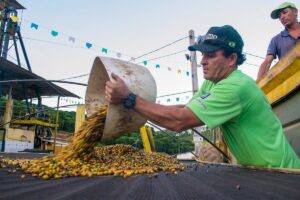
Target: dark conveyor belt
point(198, 182)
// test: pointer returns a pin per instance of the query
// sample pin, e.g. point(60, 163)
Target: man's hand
point(116, 91)
point(264, 67)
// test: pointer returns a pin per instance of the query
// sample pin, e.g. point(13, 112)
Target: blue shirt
point(281, 44)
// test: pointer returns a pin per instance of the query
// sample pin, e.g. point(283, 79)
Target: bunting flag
point(14, 18)
point(177, 99)
point(88, 45)
point(71, 39)
point(104, 50)
point(119, 55)
point(54, 33)
point(35, 26)
point(168, 100)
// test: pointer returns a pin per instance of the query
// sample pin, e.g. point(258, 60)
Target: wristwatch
point(129, 101)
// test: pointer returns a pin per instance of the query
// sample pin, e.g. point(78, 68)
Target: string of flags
point(159, 100)
point(72, 39)
point(70, 101)
point(104, 50)
point(173, 99)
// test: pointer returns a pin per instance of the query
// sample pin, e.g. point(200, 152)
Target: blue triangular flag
point(35, 26)
point(88, 45)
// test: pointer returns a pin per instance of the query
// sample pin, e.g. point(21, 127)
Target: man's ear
point(295, 11)
point(233, 59)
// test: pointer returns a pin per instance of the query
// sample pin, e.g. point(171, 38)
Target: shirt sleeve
point(272, 48)
point(217, 106)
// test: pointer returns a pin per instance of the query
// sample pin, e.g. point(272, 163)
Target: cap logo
point(211, 37)
point(231, 44)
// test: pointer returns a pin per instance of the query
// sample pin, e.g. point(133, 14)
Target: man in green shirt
point(227, 99)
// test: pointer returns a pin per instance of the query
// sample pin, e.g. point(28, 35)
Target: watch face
point(129, 103)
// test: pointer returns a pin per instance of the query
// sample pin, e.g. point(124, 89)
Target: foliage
point(166, 141)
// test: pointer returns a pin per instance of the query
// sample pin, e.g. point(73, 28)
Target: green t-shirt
point(251, 130)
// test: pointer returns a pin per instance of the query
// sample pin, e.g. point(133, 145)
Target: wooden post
point(193, 59)
point(57, 124)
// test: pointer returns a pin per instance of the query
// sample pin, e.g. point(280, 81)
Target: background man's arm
point(265, 66)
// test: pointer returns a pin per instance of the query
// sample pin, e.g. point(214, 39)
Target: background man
point(283, 42)
point(227, 99)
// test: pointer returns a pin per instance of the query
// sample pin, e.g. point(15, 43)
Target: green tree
point(166, 141)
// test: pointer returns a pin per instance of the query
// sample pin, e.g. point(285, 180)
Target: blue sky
point(135, 27)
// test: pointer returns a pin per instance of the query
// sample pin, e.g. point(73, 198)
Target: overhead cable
point(135, 58)
point(174, 94)
point(79, 76)
point(171, 54)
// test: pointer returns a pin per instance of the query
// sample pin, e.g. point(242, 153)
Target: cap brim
point(206, 48)
point(275, 13)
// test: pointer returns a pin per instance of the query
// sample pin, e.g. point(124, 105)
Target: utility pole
point(193, 59)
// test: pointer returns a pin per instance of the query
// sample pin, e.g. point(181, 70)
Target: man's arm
point(171, 117)
point(264, 67)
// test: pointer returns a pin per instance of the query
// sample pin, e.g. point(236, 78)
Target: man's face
point(216, 66)
point(287, 16)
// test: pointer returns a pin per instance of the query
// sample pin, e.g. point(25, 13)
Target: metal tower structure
point(10, 30)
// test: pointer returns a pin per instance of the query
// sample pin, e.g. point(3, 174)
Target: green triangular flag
point(54, 33)
point(104, 50)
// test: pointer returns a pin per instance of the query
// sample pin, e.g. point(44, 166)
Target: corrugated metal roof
point(198, 182)
point(12, 3)
point(11, 71)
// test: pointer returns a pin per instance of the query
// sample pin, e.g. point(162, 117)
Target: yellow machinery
point(282, 88)
point(24, 133)
point(147, 138)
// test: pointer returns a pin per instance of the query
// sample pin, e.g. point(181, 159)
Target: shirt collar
point(284, 33)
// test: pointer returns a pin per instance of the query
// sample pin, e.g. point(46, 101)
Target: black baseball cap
point(223, 37)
